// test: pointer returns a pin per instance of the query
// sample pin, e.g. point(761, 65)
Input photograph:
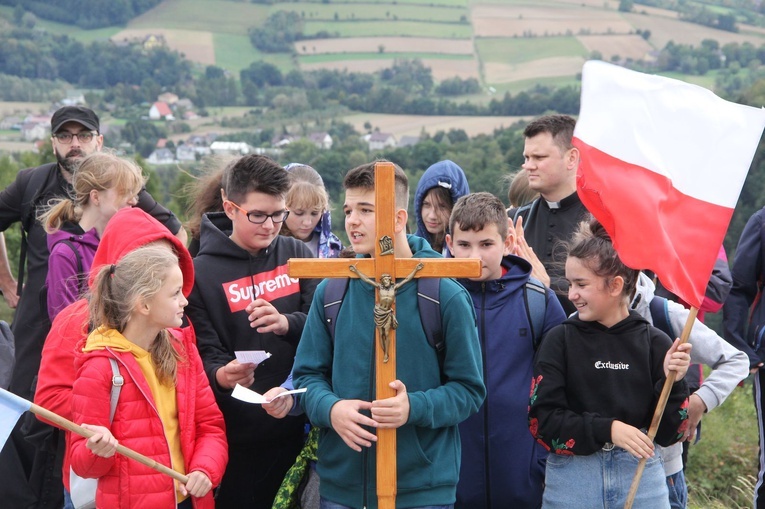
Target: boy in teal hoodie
point(339, 373)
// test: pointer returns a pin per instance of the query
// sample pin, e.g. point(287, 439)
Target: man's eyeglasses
point(260, 218)
point(82, 137)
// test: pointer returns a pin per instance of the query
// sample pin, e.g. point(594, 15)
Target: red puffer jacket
point(125, 483)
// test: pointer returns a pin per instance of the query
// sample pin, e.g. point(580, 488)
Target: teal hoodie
point(428, 444)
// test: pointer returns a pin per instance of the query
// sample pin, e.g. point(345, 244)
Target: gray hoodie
point(729, 365)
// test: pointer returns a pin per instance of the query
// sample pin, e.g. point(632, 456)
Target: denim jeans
point(678, 491)
point(326, 504)
point(603, 479)
point(68, 500)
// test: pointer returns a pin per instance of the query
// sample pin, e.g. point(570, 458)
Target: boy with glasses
point(243, 299)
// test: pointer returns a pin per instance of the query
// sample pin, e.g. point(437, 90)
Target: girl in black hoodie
point(597, 378)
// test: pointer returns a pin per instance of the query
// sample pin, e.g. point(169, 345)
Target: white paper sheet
point(253, 356)
point(248, 396)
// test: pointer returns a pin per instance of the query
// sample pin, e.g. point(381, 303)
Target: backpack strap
point(428, 293)
point(333, 299)
point(535, 296)
point(33, 190)
point(117, 382)
point(526, 211)
point(659, 309)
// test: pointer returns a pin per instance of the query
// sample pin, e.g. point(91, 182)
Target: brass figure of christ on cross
point(385, 267)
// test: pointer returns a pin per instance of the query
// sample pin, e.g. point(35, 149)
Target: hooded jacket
point(123, 482)
point(444, 174)
point(744, 309)
point(129, 229)
point(228, 278)
point(729, 365)
point(428, 445)
point(587, 375)
point(63, 279)
point(504, 465)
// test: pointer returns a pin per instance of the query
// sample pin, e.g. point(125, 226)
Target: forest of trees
point(84, 13)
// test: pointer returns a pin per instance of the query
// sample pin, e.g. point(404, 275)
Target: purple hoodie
point(62, 281)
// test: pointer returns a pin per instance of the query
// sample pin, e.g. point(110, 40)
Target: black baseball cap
point(79, 114)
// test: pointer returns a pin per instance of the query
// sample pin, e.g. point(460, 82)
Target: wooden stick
point(74, 428)
point(660, 405)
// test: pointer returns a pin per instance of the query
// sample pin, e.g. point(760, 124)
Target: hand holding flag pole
point(13, 406)
point(660, 405)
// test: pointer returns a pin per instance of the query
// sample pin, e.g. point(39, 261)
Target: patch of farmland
point(495, 72)
point(197, 46)
point(441, 68)
point(520, 20)
point(391, 45)
point(413, 125)
point(17, 107)
point(625, 46)
point(664, 30)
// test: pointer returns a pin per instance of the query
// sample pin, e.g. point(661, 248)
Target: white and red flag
point(662, 165)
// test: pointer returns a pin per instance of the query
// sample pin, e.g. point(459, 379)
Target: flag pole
point(660, 405)
point(74, 428)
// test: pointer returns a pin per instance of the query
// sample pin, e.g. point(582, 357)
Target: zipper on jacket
point(487, 479)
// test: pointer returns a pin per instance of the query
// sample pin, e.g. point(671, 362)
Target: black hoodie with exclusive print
point(587, 375)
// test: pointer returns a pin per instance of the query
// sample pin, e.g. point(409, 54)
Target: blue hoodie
point(503, 465)
point(445, 174)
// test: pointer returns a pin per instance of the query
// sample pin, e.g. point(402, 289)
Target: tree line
point(83, 13)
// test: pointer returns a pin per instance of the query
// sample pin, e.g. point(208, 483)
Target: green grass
point(390, 29)
point(397, 3)
point(208, 15)
point(377, 12)
point(75, 32)
point(235, 52)
point(521, 49)
point(333, 57)
point(721, 465)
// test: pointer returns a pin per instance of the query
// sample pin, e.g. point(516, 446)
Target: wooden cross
point(384, 263)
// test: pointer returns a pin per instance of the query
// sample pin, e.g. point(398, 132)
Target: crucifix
point(385, 267)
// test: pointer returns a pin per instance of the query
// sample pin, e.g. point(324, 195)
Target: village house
point(159, 111)
point(380, 141)
point(321, 140)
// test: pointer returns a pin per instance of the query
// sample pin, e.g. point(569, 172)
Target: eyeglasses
point(260, 218)
point(82, 137)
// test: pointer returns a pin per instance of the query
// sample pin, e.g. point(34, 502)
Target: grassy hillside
point(511, 44)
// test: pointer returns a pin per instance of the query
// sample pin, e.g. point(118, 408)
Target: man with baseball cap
point(29, 478)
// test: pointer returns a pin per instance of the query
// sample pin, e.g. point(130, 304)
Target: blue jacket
point(445, 174)
point(740, 328)
point(428, 444)
point(506, 465)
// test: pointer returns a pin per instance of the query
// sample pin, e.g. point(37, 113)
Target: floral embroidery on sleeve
point(563, 447)
point(684, 416)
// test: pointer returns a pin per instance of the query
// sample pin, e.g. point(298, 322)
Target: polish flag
point(662, 165)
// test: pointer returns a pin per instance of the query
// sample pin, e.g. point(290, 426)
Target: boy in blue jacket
point(507, 466)
point(339, 374)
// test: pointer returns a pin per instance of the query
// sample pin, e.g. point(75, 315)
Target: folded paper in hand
point(251, 356)
point(248, 396)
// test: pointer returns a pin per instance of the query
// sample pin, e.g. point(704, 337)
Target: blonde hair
point(117, 289)
point(307, 192)
point(99, 171)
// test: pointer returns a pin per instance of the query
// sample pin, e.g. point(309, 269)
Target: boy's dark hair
point(592, 244)
point(363, 177)
point(560, 127)
point(475, 210)
point(254, 173)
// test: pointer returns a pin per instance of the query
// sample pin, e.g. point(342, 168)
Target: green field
point(382, 12)
point(520, 50)
point(208, 15)
point(333, 57)
point(390, 29)
point(235, 52)
point(395, 3)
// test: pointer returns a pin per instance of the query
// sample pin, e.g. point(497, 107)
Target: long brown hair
point(117, 289)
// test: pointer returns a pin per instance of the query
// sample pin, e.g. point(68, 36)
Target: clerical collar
point(565, 202)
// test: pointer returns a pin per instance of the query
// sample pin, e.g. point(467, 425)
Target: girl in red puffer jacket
point(166, 409)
